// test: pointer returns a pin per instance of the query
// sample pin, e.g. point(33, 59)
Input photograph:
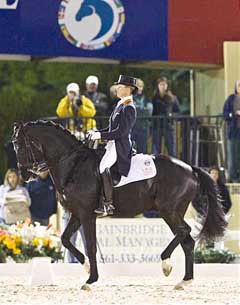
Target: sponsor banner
point(115, 29)
point(135, 240)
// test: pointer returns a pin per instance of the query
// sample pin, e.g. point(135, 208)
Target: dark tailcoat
point(120, 127)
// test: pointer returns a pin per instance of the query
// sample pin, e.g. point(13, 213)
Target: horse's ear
point(17, 126)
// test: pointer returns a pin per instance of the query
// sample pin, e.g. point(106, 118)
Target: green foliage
point(29, 251)
point(32, 90)
point(211, 255)
point(3, 256)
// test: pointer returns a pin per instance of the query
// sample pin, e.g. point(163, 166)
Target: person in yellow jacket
point(76, 105)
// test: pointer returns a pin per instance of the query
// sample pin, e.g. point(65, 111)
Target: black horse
point(74, 169)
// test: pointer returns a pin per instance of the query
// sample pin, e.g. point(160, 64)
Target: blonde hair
point(113, 91)
point(8, 173)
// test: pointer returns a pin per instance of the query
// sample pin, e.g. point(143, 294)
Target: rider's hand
point(89, 133)
point(96, 135)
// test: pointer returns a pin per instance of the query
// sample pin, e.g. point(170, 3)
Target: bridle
point(32, 164)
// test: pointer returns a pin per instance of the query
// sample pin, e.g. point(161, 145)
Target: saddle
point(142, 168)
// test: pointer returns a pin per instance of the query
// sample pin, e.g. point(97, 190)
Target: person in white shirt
point(11, 183)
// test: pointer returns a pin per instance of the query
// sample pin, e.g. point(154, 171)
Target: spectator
point(144, 109)
point(98, 98)
point(14, 199)
point(76, 105)
point(164, 104)
point(231, 113)
point(223, 190)
point(43, 195)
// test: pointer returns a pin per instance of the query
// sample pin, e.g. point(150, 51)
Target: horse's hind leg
point(188, 248)
point(72, 226)
point(181, 230)
point(91, 244)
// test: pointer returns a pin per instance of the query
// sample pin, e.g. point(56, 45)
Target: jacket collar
point(125, 100)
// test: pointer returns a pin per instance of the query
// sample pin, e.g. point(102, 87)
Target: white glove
point(95, 136)
point(90, 132)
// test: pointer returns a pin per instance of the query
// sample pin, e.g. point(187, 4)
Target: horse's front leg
point(72, 226)
point(91, 243)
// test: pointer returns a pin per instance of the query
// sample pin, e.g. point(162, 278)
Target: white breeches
point(109, 158)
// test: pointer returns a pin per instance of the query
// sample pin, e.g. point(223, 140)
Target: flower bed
point(211, 255)
point(23, 241)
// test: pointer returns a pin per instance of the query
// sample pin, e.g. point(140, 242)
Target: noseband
point(32, 164)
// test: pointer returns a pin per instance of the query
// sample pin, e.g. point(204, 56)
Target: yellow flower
point(35, 241)
point(9, 243)
point(18, 239)
point(16, 251)
point(45, 242)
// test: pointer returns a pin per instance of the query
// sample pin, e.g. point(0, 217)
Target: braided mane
point(56, 125)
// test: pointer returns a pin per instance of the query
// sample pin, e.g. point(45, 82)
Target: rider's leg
point(107, 207)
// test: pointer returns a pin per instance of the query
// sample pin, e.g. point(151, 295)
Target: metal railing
point(198, 140)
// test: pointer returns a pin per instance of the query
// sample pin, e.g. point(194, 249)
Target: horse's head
point(86, 9)
point(29, 151)
point(100, 8)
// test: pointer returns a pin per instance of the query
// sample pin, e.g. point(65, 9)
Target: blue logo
point(91, 24)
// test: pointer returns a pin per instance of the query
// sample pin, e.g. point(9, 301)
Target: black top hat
point(127, 80)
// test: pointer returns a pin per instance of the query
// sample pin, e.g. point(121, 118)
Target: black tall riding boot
point(107, 207)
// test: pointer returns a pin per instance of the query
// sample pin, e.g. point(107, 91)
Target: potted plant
point(23, 241)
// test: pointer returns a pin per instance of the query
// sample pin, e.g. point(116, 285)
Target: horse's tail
point(208, 205)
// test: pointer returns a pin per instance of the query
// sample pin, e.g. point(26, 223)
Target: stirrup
point(105, 210)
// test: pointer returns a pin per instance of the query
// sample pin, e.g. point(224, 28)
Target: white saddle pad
point(142, 167)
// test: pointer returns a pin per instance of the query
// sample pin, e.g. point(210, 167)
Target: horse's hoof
point(180, 286)
point(86, 287)
point(86, 266)
point(166, 267)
